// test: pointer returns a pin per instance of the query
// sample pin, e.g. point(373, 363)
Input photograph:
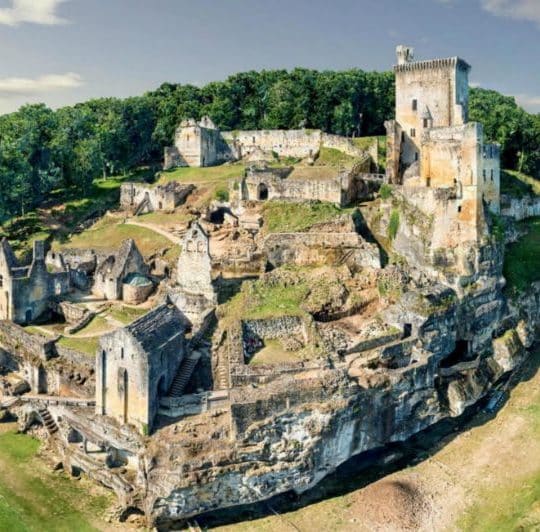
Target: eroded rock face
point(291, 435)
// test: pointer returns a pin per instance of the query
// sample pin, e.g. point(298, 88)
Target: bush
point(222, 194)
point(385, 191)
point(393, 226)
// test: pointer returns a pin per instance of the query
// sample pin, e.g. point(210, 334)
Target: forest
point(42, 150)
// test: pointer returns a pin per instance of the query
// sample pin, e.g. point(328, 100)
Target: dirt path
point(155, 228)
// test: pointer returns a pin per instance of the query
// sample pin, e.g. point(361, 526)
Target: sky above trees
point(65, 51)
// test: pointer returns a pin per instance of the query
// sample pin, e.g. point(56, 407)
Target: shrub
point(222, 194)
point(393, 226)
point(385, 191)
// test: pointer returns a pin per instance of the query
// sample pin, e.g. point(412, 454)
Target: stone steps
point(48, 420)
point(184, 373)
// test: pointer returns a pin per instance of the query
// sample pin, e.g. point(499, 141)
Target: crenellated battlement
point(433, 64)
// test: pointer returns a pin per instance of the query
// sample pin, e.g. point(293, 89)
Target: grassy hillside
point(518, 184)
point(63, 211)
point(522, 258)
point(284, 216)
point(33, 498)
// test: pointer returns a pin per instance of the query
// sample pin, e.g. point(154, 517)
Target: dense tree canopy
point(42, 149)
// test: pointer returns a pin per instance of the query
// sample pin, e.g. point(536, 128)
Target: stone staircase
point(48, 420)
point(184, 373)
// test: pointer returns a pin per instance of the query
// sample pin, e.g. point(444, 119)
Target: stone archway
point(262, 192)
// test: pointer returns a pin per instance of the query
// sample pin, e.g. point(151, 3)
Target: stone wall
point(136, 294)
point(140, 198)
point(275, 328)
point(261, 186)
point(520, 208)
point(297, 143)
point(34, 347)
point(436, 91)
point(347, 145)
point(308, 249)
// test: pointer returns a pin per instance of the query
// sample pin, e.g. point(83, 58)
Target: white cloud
point(31, 11)
point(516, 9)
point(43, 84)
point(529, 102)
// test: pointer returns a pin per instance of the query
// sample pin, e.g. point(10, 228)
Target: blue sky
point(64, 51)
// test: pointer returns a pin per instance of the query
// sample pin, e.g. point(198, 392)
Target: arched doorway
point(262, 192)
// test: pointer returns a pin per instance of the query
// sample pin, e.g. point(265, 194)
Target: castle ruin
point(326, 342)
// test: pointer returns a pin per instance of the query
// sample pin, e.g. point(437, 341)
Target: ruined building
point(360, 331)
point(335, 185)
point(437, 157)
point(140, 198)
point(194, 293)
point(26, 291)
point(203, 144)
point(112, 276)
point(197, 144)
point(136, 366)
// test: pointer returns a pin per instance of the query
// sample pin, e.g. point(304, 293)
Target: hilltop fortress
point(266, 357)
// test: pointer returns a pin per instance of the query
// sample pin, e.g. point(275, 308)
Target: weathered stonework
point(26, 291)
point(139, 198)
point(388, 332)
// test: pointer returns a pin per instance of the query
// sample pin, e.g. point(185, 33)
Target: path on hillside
point(156, 229)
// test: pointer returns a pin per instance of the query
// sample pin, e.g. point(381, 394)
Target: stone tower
point(429, 94)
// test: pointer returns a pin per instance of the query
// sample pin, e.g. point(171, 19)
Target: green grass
point(62, 211)
point(88, 346)
point(33, 498)
point(518, 184)
point(259, 299)
point(522, 258)
point(126, 314)
point(98, 325)
point(273, 353)
point(283, 217)
point(209, 174)
point(165, 218)
point(513, 502)
point(334, 157)
point(393, 225)
point(108, 234)
point(506, 509)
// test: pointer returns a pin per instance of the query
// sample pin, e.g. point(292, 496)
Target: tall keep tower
point(429, 94)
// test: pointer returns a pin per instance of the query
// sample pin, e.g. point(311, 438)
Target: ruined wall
point(195, 265)
point(308, 249)
point(261, 186)
point(489, 179)
point(134, 294)
point(520, 208)
point(27, 291)
point(393, 151)
point(297, 143)
point(47, 367)
point(122, 380)
point(197, 144)
point(140, 198)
